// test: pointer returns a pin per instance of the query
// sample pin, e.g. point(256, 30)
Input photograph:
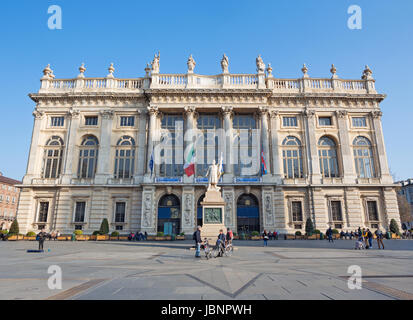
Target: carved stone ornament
point(227, 110)
point(367, 73)
point(188, 209)
point(82, 70)
point(269, 71)
point(111, 70)
point(153, 110)
point(47, 72)
point(189, 110)
point(228, 208)
point(107, 114)
point(147, 212)
point(268, 209)
point(376, 114)
point(38, 114)
point(260, 64)
point(309, 113)
point(73, 113)
point(304, 70)
point(342, 113)
point(274, 114)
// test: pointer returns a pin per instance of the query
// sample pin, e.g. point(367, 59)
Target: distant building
point(406, 190)
point(9, 198)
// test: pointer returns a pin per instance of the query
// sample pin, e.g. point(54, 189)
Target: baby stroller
point(359, 244)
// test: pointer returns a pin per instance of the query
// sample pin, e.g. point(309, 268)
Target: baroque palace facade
point(93, 144)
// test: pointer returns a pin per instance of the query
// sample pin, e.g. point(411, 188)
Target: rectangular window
point(57, 121)
point(359, 122)
point(120, 212)
point(289, 121)
point(338, 226)
point(91, 121)
point(80, 211)
point(119, 228)
point(78, 227)
point(324, 121)
point(43, 211)
point(372, 211)
point(127, 121)
point(297, 211)
point(336, 211)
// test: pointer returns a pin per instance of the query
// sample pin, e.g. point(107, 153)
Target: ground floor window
point(119, 228)
point(297, 211)
point(372, 210)
point(120, 209)
point(336, 212)
point(78, 227)
point(43, 211)
point(80, 212)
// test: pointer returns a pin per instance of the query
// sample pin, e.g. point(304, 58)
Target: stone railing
point(222, 81)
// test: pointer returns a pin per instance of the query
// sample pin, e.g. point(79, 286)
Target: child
point(359, 243)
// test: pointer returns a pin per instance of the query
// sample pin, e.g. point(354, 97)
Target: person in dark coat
point(198, 241)
point(41, 236)
point(221, 242)
point(329, 234)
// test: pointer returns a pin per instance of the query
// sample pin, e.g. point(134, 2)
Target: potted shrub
point(14, 231)
point(236, 236)
point(160, 236)
point(114, 235)
point(394, 229)
point(94, 235)
point(104, 230)
point(255, 235)
point(336, 234)
point(317, 233)
point(309, 227)
point(80, 236)
point(31, 236)
point(180, 236)
point(298, 235)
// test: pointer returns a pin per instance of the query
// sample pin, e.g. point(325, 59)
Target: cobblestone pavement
point(290, 269)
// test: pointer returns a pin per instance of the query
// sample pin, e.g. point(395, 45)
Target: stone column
point(152, 133)
point(276, 153)
point(348, 171)
point(188, 210)
point(313, 162)
point(383, 168)
point(227, 113)
point(141, 150)
point(190, 135)
point(70, 155)
point(35, 151)
point(263, 111)
point(103, 171)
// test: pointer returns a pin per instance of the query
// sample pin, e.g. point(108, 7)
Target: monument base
point(213, 215)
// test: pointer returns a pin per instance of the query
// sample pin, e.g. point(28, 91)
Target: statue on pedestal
point(224, 64)
point(155, 63)
point(260, 64)
point(214, 175)
point(191, 64)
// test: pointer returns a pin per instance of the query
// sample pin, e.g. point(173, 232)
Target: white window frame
point(126, 201)
point(80, 199)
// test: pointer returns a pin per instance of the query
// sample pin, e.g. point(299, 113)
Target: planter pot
point(123, 238)
point(12, 238)
point(116, 238)
point(299, 237)
point(289, 237)
point(312, 237)
point(255, 238)
point(82, 238)
point(92, 237)
point(151, 238)
point(63, 238)
point(236, 237)
point(180, 238)
point(30, 238)
point(104, 237)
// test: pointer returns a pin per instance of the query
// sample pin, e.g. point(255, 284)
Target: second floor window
point(292, 158)
point(53, 154)
point(359, 122)
point(172, 139)
point(57, 121)
point(289, 121)
point(243, 128)
point(91, 121)
point(363, 157)
point(324, 121)
point(127, 121)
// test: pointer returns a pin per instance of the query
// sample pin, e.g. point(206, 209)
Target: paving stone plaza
point(286, 269)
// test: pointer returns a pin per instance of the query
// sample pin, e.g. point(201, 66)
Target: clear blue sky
point(128, 33)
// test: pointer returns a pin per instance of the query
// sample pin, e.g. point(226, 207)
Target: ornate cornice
point(107, 114)
point(376, 114)
point(341, 113)
point(38, 114)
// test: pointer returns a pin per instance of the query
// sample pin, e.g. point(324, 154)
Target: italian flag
point(189, 166)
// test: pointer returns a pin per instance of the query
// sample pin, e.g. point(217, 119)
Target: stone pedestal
point(213, 214)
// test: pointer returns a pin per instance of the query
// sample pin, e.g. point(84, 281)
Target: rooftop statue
point(191, 64)
point(224, 64)
point(260, 64)
point(155, 63)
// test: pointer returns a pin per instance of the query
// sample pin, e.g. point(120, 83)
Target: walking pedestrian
point(370, 238)
point(41, 237)
point(329, 234)
point(379, 236)
point(198, 241)
point(265, 238)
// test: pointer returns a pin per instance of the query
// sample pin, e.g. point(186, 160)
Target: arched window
point(327, 152)
point(88, 157)
point(169, 215)
point(53, 153)
point(363, 157)
point(125, 158)
point(292, 158)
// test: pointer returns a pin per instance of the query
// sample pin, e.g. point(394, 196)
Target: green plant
point(96, 233)
point(14, 228)
point(78, 232)
point(393, 227)
point(31, 234)
point(335, 231)
point(309, 227)
point(4, 231)
point(104, 227)
point(316, 231)
point(235, 234)
point(160, 234)
point(181, 234)
point(298, 233)
point(255, 233)
point(114, 234)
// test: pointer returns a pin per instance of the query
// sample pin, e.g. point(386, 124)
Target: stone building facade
point(94, 141)
point(9, 198)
